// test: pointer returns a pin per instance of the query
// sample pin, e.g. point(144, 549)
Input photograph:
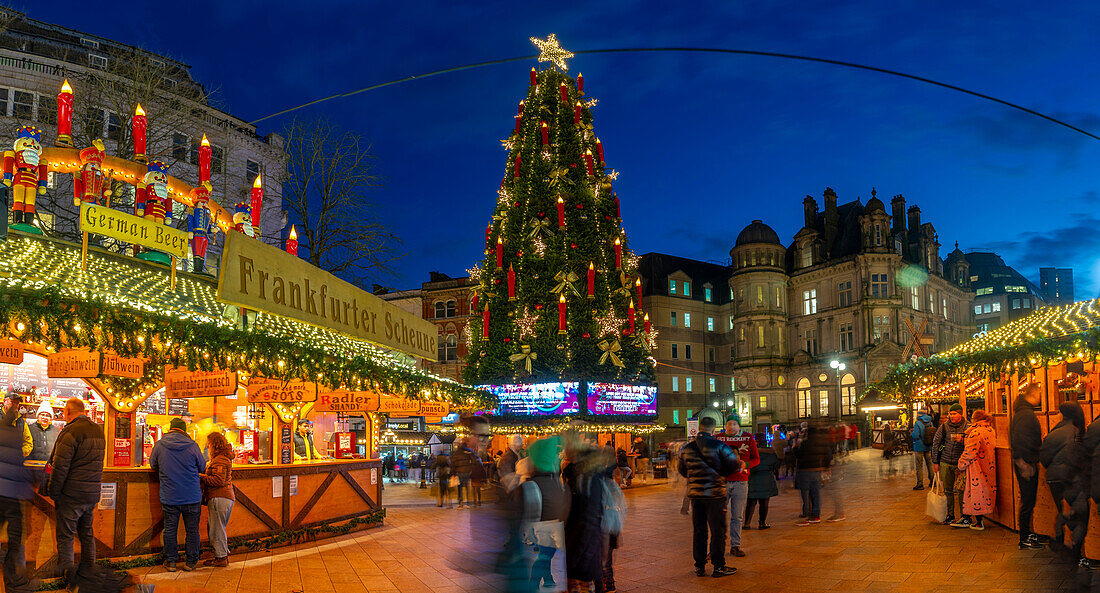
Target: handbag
point(935, 503)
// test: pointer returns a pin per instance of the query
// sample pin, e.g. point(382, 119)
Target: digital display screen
point(609, 399)
point(539, 399)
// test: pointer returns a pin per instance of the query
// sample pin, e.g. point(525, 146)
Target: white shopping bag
point(935, 504)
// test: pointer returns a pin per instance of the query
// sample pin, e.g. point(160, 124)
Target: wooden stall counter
point(270, 499)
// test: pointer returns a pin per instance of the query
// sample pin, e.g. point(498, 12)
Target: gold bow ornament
point(610, 350)
point(560, 176)
point(525, 354)
point(626, 283)
point(537, 225)
point(565, 282)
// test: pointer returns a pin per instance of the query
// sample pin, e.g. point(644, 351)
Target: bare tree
point(327, 193)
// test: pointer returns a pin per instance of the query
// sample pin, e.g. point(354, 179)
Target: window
point(95, 123)
point(114, 127)
point(672, 319)
point(881, 327)
point(986, 290)
point(710, 324)
point(22, 105)
point(759, 296)
point(846, 335)
point(987, 308)
point(878, 286)
point(675, 384)
point(451, 309)
point(251, 169)
point(977, 309)
point(217, 159)
point(848, 395)
point(97, 61)
point(440, 309)
point(47, 110)
point(733, 353)
point(51, 181)
point(1015, 289)
point(732, 383)
point(811, 342)
point(931, 303)
point(741, 337)
point(763, 402)
point(452, 348)
point(823, 402)
point(706, 295)
point(687, 288)
point(179, 146)
point(710, 383)
point(157, 63)
point(731, 322)
point(675, 351)
point(92, 43)
point(671, 287)
point(760, 336)
point(915, 295)
point(807, 256)
point(687, 351)
point(778, 298)
point(1027, 303)
point(687, 384)
point(943, 308)
point(676, 416)
point(687, 319)
point(1015, 303)
point(711, 353)
point(843, 291)
point(878, 234)
point(809, 301)
point(441, 353)
point(803, 388)
point(997, 307)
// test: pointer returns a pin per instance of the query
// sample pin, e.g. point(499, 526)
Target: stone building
point(857, 286)
point(36, 57)
point(444, 301)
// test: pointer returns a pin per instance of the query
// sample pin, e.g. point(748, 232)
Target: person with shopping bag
point(545, 507)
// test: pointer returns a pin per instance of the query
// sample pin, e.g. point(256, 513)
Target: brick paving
point(885, 545)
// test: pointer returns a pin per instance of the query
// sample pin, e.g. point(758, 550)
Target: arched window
point(803, 389)
point(451, 308)
point(848, 395)
point(440, 309)
point(452, 347)
point(441, 353)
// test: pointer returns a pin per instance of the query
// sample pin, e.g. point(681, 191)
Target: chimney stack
point(809, 205)
point(914, 219)
point(831, 219)
point(897, 218)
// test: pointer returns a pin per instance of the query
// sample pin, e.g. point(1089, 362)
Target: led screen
point(540, 399)
point(609, 399)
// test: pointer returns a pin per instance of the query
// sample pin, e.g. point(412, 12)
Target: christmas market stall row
point(296, 367)
point(562, 341)
point(1055, 348)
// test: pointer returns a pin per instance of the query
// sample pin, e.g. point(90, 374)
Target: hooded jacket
point(923, 423)
point(1024, 435)
point(178, 462)
point(15, 479)
point(946, 450)
point(706, 462)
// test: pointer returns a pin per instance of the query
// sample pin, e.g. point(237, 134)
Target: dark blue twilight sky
point(704, 143)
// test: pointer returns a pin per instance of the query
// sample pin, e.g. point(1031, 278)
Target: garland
point(46, 316)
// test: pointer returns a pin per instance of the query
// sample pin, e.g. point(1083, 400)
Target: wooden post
point(172, 282)
point(84, 252)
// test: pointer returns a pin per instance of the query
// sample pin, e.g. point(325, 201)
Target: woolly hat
point(733, 418)
point(543, 454)
point(956, 408)
point(177, 424)
point(980, 415)
point(44, 408)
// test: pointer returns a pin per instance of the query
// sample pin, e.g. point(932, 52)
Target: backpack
point(614, 507)
point(927, 436)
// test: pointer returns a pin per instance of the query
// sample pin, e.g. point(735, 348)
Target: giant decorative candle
point(519, 160)
point(473, 303)
point(630, 315)
point(638, 289)
point(500, 252)
point(534, 76)
point(564, 93)
point(645, 320)
point(545, 133)
point(618, 212)
point(511, 283)
point(521, 108)
point(257, 202)
point(591, 280)
point(485, 323)
point(561, 313)
point(580, 82)
point(138, 126)
point(561, 213)
point(588, 163)
point(618, 253)
point(292, 242)
point(204, 160)
point(65, 115)
point(577, 113)
point(599, 150)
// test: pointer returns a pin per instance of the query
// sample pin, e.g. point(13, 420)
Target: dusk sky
point(704, 143)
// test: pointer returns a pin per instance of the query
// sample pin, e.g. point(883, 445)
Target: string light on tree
point(551, 51)
point(526, 323)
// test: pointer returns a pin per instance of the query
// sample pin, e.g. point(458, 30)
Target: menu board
point(32, 374)
point(155, 403)
point(178, 407)
point(66, 388)
point(609, 399)
point(539, 399)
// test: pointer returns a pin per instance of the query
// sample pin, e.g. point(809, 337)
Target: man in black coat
point(706, 462)
point(74, 482)
point(1067, 463)
point(1025, 438)
point(15, 488)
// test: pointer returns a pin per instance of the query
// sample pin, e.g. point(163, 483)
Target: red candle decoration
point(65, 115)
point(500, 253)
point(521, 108)
point(534, 76)
point(204, 160)
point(564, 93)
point(588, 162)
point(511, 283)
point(473, 303)
point(292, 242)
point(561, 313)
point(488, 231)
point(561, 213)
point(618, 253)
point(618, 213)
point(519, 122)
point(591, 280)
point(545, 133)
point(485, 323)
point(138, 126)
point(638, 289)
point(580, 82)
point(630, 315)
point(577, 113)
point(599, 149)
point(257, 202)
point(645, 320)
point(519, 159)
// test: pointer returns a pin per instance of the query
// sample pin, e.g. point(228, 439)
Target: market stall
point(1055, 347)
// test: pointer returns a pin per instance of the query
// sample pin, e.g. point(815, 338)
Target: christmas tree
point(558, 289)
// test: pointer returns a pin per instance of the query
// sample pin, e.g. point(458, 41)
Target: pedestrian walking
point(545, 504)
point(947, 447)
point(622, 463)
point(814, 459)
point(506, 466)
point(978, 461)
point(463, 460)
point(217, 483)
point(779, 446)
point(177, 460)
point(443, 478)
point(76, 472)
point(1065, 458)
point(923, 434)
point(889, 449)
point(585, 540)
point(790, 454)
point(16, 487)
point(737, 483)
point(43, 433)
point(762, 483)
point(705, 462)
point(641, 461)
point(1025, 439)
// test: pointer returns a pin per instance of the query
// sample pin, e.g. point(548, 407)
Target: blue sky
point(704, 143)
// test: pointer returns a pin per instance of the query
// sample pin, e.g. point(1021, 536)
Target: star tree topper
point(551, 51)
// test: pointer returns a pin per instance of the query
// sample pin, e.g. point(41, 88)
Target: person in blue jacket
point(178, 461)
point(923, 432)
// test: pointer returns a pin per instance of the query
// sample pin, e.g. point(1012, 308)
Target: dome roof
point(757, 232)
point(875, 204)
point(956, 255)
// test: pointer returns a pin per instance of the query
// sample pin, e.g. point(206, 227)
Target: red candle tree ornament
point(292, 242)
point(588, 162)
point(257, 202)
point(561, 213)
point(630, 315)
point(473, 303)
point(485, 323)
point(645, 320)
point(561, 313)
point(500, 253)
point(204, 160)
point(521, 108)
point(545, 133)
point(519, 122)
point(580, 82)
point(488, 239)
point(577, 113)
point(638, 289)
point(519, 160)
point(65, 115)
point(564, 93)
point(511, 283)
point(599, 150)
point(591, 280)
point(534, 76)
point(618, 213)
point(618, 254)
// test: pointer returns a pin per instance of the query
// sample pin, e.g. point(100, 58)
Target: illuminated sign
point(609, 399)
point(539, 399)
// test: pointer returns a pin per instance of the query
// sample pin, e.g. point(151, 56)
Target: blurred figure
point(779, 448)
point(889, 449)
point(545, 506)
point(585, 542)
point(737, 483)
point(705, 462)
point(923, 435)
point(978, 461)
point(15, 487)
point(1026, 438)
point(15, 420)
point(443, 477)
point(1065, 458)
point(463, 461)
point(74, 485)
point(506, 467)
point(814, 459)
point(641, 462)
point(478, 476)
point(790, 455)
point(947, 447)
point(762, 483)
point(622, 463)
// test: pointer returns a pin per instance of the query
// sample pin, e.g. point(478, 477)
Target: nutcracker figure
point(24, 173)
point(201, 225)
point(88, 183)
point(242, 219)
point(153, 202)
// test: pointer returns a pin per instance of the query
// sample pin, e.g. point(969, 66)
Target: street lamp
point(838, 367)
